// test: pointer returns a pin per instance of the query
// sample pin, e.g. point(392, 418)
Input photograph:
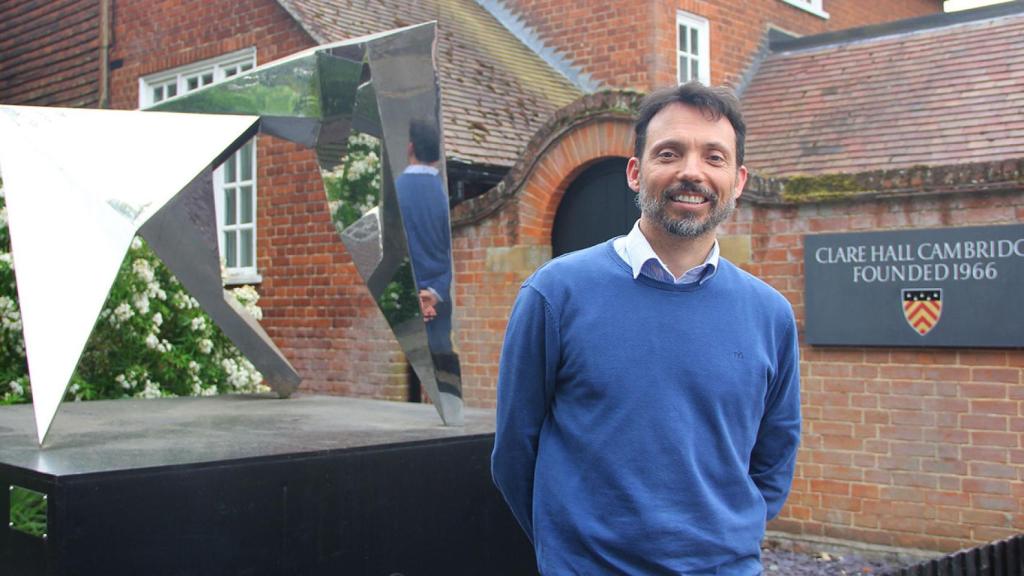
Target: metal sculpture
point(93, 179)
point(382, 85)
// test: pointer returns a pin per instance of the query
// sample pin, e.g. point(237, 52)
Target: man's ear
point(633, 174)
point(741, 180)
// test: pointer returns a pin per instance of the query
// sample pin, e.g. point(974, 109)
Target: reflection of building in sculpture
point(424, 206)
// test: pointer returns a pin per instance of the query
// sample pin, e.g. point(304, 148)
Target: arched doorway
point(597, 206)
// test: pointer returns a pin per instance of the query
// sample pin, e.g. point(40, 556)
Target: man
point(648, 395)
point(423, 203)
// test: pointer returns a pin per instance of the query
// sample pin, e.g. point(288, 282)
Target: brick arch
point(570, 153)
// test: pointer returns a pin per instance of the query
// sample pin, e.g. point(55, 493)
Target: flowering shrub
point(151, 338)
point(354, 186)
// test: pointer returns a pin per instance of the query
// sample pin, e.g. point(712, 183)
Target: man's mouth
point(688, 198)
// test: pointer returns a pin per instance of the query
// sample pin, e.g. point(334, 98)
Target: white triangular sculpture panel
point(79, 184)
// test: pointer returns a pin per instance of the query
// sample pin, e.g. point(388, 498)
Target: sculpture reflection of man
point(424, 206)
point(648, 394)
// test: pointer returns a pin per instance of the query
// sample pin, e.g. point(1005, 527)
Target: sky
point(955, 5)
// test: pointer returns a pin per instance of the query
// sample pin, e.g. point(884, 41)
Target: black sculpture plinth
point(254, 486)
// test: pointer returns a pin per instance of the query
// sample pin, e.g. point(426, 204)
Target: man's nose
point(689, 169)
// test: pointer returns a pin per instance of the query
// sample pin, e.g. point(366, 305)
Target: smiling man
point(648, 395)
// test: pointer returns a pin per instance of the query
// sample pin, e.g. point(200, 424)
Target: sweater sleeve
point(774, 456)
point(526, 382)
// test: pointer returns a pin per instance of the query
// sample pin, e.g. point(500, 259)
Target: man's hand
point(427, 303)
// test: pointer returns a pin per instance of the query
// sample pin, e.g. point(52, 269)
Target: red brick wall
point(315, 306)
point(50, 53)
point(493, 257)
point(906, 447)
point(628, 44)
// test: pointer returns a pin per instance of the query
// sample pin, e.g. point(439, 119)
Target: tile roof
point(942, 96)
point(496, 93)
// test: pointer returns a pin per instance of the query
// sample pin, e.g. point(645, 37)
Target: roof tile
point(942, 96)
point(495, 92)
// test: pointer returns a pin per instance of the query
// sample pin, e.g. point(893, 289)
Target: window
point(234, 181)
point(813, 6)
point(693, 48)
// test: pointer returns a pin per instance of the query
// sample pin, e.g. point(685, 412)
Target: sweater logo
point(922, 309)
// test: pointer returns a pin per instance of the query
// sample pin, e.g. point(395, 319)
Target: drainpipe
point(104, 99)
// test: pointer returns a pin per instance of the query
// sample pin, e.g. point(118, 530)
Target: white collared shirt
point(420, 169)
point(636, 251)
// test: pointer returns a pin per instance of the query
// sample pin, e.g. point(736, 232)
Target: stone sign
point(960, 287)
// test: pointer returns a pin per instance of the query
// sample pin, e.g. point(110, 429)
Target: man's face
point(688, 179)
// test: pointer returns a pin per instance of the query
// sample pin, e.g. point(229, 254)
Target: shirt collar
point(639, 255)
point(420, 169)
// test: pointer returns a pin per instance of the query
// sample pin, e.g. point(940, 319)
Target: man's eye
point(716, 158)
point(666, 154)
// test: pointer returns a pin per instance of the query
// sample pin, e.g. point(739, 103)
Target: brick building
point(904, 447)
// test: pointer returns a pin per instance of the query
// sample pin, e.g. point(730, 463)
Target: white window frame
point(815, 7)
point(153, 89)
point(703, 56)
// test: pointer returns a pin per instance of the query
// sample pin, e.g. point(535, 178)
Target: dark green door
point(597, 206)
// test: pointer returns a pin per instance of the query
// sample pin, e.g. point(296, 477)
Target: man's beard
point(688, 226)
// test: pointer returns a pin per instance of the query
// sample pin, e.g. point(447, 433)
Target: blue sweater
point(646, 428)
point(424, 206)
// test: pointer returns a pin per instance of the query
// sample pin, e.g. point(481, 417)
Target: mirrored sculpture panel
point(78, 172)
point(379, 95)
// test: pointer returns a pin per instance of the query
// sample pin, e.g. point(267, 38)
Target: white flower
point(10, 316)
point(151, 390)
point(143, 270)
point(124, 382)
point(16, 388)
point(74, 388)
point(123, 312)
point(141, 302)
point(247, 296)
point(198, 324)
point(209, 391)
point(205, 346)
point(7, 259)
point(193, 367)
point(158, 319)
point(136, 243)
point(153, 290)
point(152, 341)
point(164, 346)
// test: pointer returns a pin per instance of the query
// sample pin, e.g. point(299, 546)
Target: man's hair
point(426, 142)
point(713, 102)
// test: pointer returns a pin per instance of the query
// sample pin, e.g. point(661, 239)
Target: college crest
point(922, 309)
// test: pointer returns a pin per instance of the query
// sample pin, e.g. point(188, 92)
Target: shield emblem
point(922, 309)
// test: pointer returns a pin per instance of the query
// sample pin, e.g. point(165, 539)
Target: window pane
point(246, 158)
point(230, 209)
point(230, 249)
point(695, 69)
point(158, 93)
point(694, 45)
point(245, 214)
point(246, 67)
point(683, 35)
point(247, 247)
point(684, 69)
point(172, 90)
point(230, 71)
point(230, 171)
point(207, 78)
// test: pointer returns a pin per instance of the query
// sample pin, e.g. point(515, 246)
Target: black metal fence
point(1002, 558)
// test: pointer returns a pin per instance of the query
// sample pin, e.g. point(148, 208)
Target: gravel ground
point(785, 563)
